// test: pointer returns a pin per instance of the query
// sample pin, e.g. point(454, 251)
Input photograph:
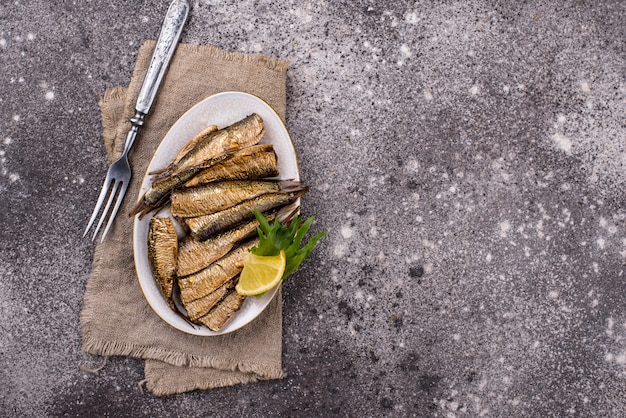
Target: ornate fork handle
point(119, 173)
point(163, 51)
point(165, 47)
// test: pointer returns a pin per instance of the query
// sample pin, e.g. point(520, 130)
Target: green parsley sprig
point(275, 236)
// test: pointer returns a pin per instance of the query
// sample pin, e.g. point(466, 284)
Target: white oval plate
point(222, 110)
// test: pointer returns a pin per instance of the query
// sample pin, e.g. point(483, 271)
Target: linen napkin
point(115, 318)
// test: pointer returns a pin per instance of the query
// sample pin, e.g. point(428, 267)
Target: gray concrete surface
point(468, 158)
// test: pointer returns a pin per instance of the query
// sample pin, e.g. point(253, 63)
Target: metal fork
point(119, 174)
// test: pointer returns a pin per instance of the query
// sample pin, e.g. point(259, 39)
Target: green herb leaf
point(275, 236)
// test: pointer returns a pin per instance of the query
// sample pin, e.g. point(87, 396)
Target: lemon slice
point(260, 273)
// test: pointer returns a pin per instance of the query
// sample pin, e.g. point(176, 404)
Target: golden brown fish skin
point(200, 307)
point(205, 281)
point(194, 143)
point(188, 147)
point(203, 227)
point(194, 255)
point(223, 312)
point(156, 196)
point(217, 196)
point(209, 147)
point(162, 253)
point(254, 162)
point(217, 145)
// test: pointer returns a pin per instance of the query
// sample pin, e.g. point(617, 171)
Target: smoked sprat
point(212, 188)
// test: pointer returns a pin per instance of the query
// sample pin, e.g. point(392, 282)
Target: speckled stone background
point(467, 157)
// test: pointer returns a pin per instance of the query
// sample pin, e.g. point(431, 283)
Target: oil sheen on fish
point(200, 307)
point(215, 146)
point(156, 196)
point(255, 162)
point(205, 281)
point(223, 312)
point(203, 227)
point(217, 196)
point(190, 145)
point(159, 192)
point(209, 147)
point(162, 253)
point(194, 255)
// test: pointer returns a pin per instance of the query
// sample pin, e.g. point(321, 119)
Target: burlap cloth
point(116, 319)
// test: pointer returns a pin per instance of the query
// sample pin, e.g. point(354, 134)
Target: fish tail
point(292, 186)
point(142, 208)
point(301, 190)
point(286, 213)
point(161, 174)
point(139, 208)
point(288, 185)
point(159, 171)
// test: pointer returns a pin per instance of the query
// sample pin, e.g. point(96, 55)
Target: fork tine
point(118, 203)
point(105, 188)
point(106, 209)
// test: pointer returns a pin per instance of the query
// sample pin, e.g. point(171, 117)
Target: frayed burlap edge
point(108, 348)
point(268, 62)
point(165, 390)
